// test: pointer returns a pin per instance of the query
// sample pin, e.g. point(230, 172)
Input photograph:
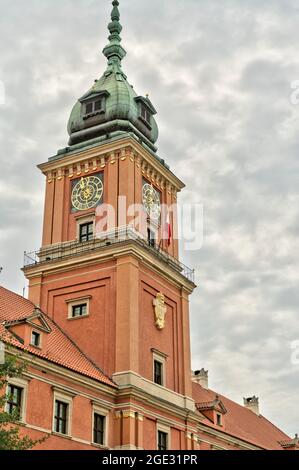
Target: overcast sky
point(219, 74)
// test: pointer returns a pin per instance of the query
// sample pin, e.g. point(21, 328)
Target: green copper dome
point(111, 106)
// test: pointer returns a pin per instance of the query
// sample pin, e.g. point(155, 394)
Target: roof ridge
point(274, 426)
point(18, 295)
point(231, 403)
point(249, 411)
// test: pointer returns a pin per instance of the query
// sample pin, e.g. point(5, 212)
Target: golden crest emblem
point(160, 310)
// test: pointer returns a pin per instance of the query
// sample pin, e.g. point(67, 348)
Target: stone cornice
point(177, 420)
point(132, 384)
point(89, 160)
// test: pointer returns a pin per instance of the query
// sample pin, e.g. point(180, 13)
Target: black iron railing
point(122, 235)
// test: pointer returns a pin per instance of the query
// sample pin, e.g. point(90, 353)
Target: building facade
point(105, 330)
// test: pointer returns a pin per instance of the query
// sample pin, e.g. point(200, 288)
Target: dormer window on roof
point(146, 110)
point(145, 114)
point(94, 106)
point(289, 444)
point(213, 410)
point(93, 103)
point(31, 330)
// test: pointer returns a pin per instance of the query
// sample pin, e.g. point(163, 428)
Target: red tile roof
point(242, 423)
point(13, 306)
point(60, 349)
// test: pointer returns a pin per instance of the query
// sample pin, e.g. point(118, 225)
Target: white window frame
point(85, 220)
point(167, 430)
point(93, 102)
point(162, 359)
point(68, 400)
point(23, 384)
point(105, 413)
point(74, 303)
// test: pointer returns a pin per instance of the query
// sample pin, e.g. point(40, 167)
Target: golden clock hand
point(86, 193)
point(82, 183)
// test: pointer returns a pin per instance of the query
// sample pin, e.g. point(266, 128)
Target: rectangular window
point(162, 440)
point(145, 114)
point(98, 429)
point(14, 401)
point(89, 108)
point(158, 372)
point(219, 420)
point(61, 417)
point(35, 339)
point(79, 310)
point(86, 232)
point(98, 105)
point(94, 107)
point(151, 237)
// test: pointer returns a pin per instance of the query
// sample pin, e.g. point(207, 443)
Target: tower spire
point(114, 50)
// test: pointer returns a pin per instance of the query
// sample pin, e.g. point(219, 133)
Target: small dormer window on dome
point(145, 114)
point(94, 106)
point(146, 110)
point(93, 103)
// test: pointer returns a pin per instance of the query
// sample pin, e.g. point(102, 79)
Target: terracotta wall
point(169, 340)
point(95, 334)
point(40, 408)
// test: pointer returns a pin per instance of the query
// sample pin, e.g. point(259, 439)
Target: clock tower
point(108, 271)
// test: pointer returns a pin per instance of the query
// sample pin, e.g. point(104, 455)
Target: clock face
point(151, 201)
point(87, 193)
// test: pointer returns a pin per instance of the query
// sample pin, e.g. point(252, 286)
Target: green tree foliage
point(10, 438)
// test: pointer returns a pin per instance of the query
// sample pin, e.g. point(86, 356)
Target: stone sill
point(58, 434)
point(87, 116)
point(78, 318)
point(99, 446)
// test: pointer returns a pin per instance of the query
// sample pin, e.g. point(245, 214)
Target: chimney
point(252, 404)
point(201, 377)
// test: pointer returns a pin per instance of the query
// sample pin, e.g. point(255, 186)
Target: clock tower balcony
point(104, 246)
